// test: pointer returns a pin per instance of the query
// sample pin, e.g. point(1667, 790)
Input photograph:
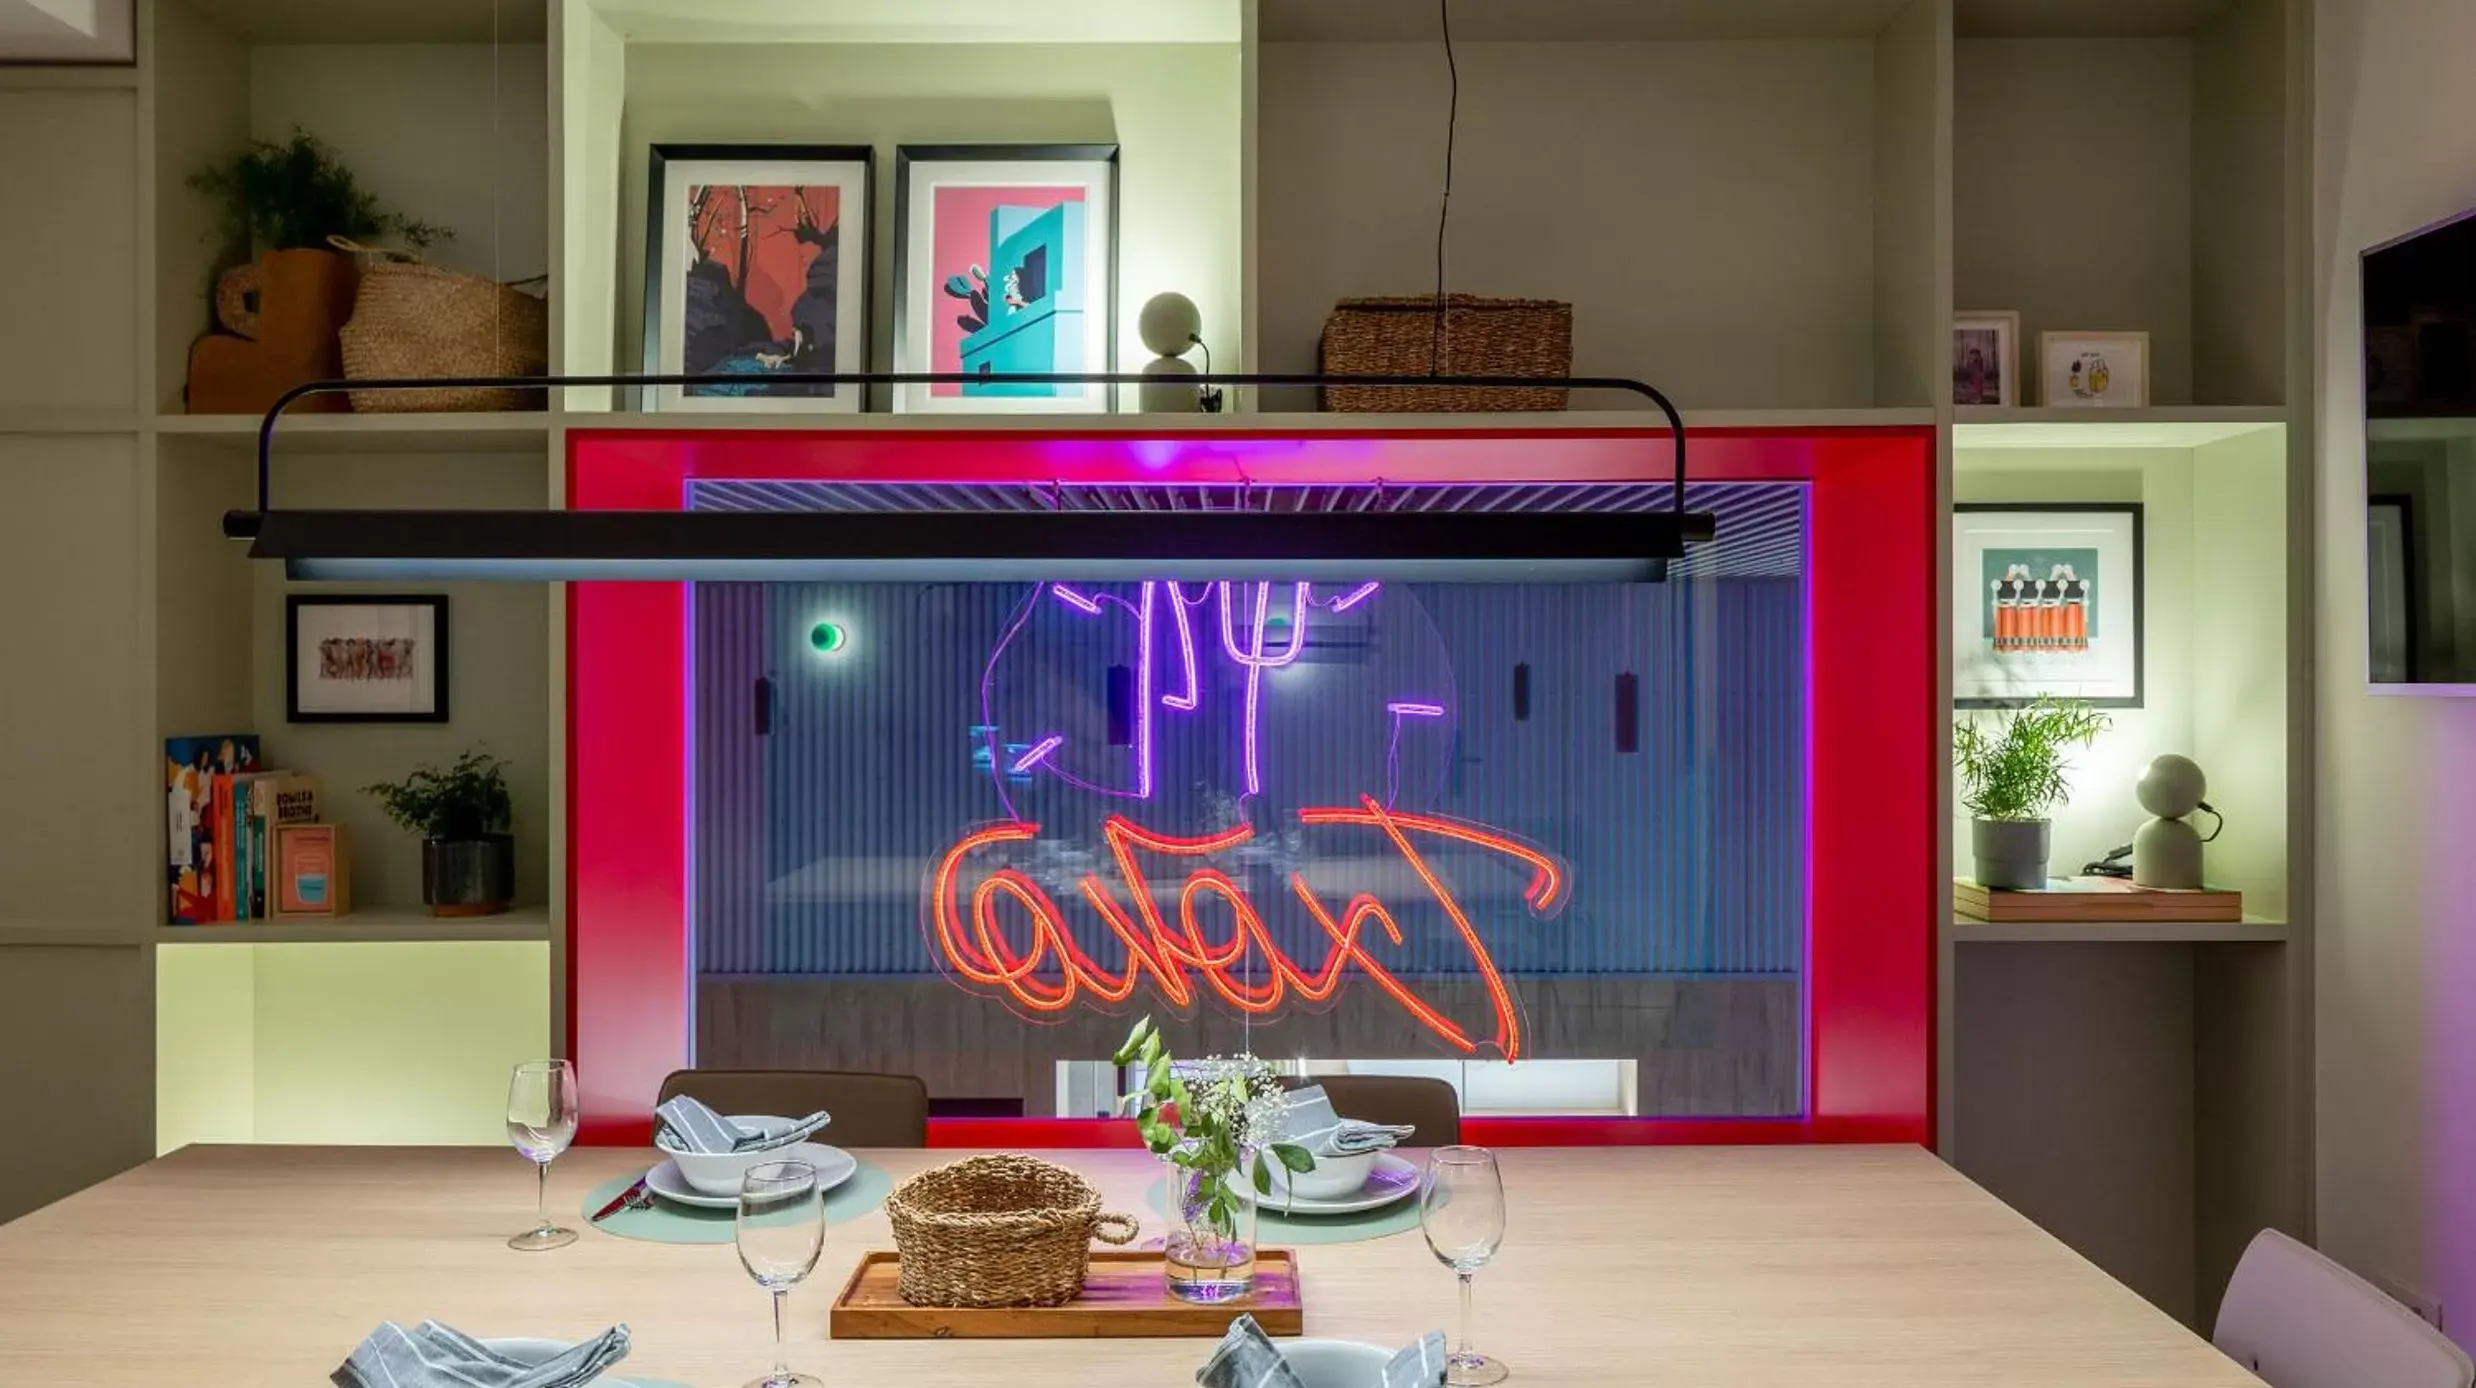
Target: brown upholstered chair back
point(870, 1110)
point(1427, 1104)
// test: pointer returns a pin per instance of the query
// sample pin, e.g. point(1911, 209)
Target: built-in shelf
point(2253, 930)
point(378, 21)
point(1572, 21)
point(378, 925)
point(920, 21)
point(2166, 426)
point(1525, 422)
point(2084, 19)
point(68, 422)
point(65, 933)
point(367, 433)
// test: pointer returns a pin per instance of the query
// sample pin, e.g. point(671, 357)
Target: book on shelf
point(196, 870)
point(262, 802)
point(2090, 899)
point(313, 872)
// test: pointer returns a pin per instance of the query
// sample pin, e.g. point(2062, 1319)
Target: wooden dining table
point(1819, 1267)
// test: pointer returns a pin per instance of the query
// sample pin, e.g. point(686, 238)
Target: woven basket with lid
point(1480, 337)
point(998, 1231)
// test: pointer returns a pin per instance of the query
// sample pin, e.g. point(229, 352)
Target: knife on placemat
point(626, 1198)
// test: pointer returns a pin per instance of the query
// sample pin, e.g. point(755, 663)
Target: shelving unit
point(1770, 211)
point(2252, 930)
point(385, 925)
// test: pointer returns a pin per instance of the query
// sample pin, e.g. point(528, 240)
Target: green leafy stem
point(1203, 1130)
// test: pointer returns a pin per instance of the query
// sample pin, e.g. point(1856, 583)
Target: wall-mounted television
point(2420, 457)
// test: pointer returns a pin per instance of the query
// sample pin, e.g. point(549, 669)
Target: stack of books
point(2095, 899)
point(244, 843)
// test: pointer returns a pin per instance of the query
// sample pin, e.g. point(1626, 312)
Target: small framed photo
point(2094, 369)
point(1985, 359)
point(1005, 261)
point(756, 260)
point(365, 659)
point(2046, 600)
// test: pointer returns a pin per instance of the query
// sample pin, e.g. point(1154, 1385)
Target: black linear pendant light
point(957, 545)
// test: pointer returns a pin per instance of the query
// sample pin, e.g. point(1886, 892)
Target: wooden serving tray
point(1124, 1297)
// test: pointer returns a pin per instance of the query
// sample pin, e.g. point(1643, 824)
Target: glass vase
point(1210, 1247)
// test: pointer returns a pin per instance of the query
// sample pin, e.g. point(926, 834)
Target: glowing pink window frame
point(1874, 768)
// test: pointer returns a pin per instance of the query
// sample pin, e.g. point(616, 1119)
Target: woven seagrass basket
point(413, 320)
point(1481, 337)
point(998, 1231)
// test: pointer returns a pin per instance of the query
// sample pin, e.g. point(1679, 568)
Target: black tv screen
point(2420, 456)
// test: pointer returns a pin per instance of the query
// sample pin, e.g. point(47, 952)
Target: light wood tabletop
point(1819, 1267)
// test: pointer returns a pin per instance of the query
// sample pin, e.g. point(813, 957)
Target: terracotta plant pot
point(304, 298)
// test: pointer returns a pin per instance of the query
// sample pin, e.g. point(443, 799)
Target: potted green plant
point(2011, 775)
point(1209, 1120)
point(462, 813)
point(294, 195)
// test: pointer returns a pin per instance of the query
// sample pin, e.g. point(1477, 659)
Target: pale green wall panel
point(409, 1043)
point(205, 1045)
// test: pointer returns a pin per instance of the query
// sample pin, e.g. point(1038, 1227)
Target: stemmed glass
point(1462, 1212)
point(780, 1230)
point(541, 1122)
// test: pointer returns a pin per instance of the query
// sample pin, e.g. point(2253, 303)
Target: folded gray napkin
point(431, 1355)
point(1308, 1114)
point(1247, 1358)
point(689, 1126)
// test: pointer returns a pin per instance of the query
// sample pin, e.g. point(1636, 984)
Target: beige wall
point(2396, 946)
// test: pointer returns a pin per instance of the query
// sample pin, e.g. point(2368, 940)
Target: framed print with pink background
point(1005, 262)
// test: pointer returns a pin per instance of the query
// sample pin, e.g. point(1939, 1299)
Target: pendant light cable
point(1444, 205)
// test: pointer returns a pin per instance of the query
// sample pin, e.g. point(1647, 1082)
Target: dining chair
point(870, 1110)
point(1420, 1101)
point(2301, 1321)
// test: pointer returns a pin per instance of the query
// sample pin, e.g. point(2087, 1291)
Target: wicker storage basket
point(998, 1231)
point(416, 320)
point(1482, 337)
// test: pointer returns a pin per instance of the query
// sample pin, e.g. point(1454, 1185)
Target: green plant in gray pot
point(2011, 775)
point(462, 813)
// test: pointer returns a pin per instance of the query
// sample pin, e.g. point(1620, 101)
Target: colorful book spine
point(193, 869)
point(220, 850)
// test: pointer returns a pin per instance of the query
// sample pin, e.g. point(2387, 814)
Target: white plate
point(1391, 1180)
point(834, 1166)
point(1335, 1363)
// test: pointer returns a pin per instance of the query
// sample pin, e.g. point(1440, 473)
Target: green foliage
point(2016, 770)
point(463, 802)
point(1209, 1129)
point(298, 193)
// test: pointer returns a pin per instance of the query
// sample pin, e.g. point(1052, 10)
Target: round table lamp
point(1169, 324)
point(2166, 851)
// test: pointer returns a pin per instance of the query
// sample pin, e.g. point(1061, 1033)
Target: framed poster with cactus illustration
point(1005, 262)
point(756, 261)
point(2046, 600)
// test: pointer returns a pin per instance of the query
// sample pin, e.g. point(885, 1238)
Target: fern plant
point(296, 194)
point(2016, 770)
point(466, 801)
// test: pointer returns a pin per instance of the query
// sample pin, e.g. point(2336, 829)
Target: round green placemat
point(1274, 1229)
point(669, 1223)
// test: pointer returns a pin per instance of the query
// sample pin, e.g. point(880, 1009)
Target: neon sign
point(1048, 972)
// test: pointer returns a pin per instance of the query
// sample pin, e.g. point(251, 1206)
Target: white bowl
point(1336, 1363)
point(722, 1173)
point(1333, 1177)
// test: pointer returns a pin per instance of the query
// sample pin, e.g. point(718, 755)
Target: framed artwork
point(2094, 369)
point(756, 259)
point(2046, 601)
point(1985, 359)
point(1005, 260)
point(363, 659)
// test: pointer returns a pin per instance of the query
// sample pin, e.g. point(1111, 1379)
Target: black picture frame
point(658, 159)
point(2140, 595)
point(907, 155)
point(294, 603)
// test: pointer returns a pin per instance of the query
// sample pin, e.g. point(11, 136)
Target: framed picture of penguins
point(756, 263)
point(2046, 601)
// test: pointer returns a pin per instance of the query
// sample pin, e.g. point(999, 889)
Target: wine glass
point(1462, 1212)
point(541, 1122)
point(780, 1230)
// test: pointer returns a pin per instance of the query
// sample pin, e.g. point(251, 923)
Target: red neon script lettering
point(1051, 972)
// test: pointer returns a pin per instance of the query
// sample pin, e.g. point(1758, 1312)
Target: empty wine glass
point(1462, 1212)
point(780, 1230)
point(541, 1122)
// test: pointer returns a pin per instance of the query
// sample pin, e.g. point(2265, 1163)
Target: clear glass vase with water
point(1210, 1246)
